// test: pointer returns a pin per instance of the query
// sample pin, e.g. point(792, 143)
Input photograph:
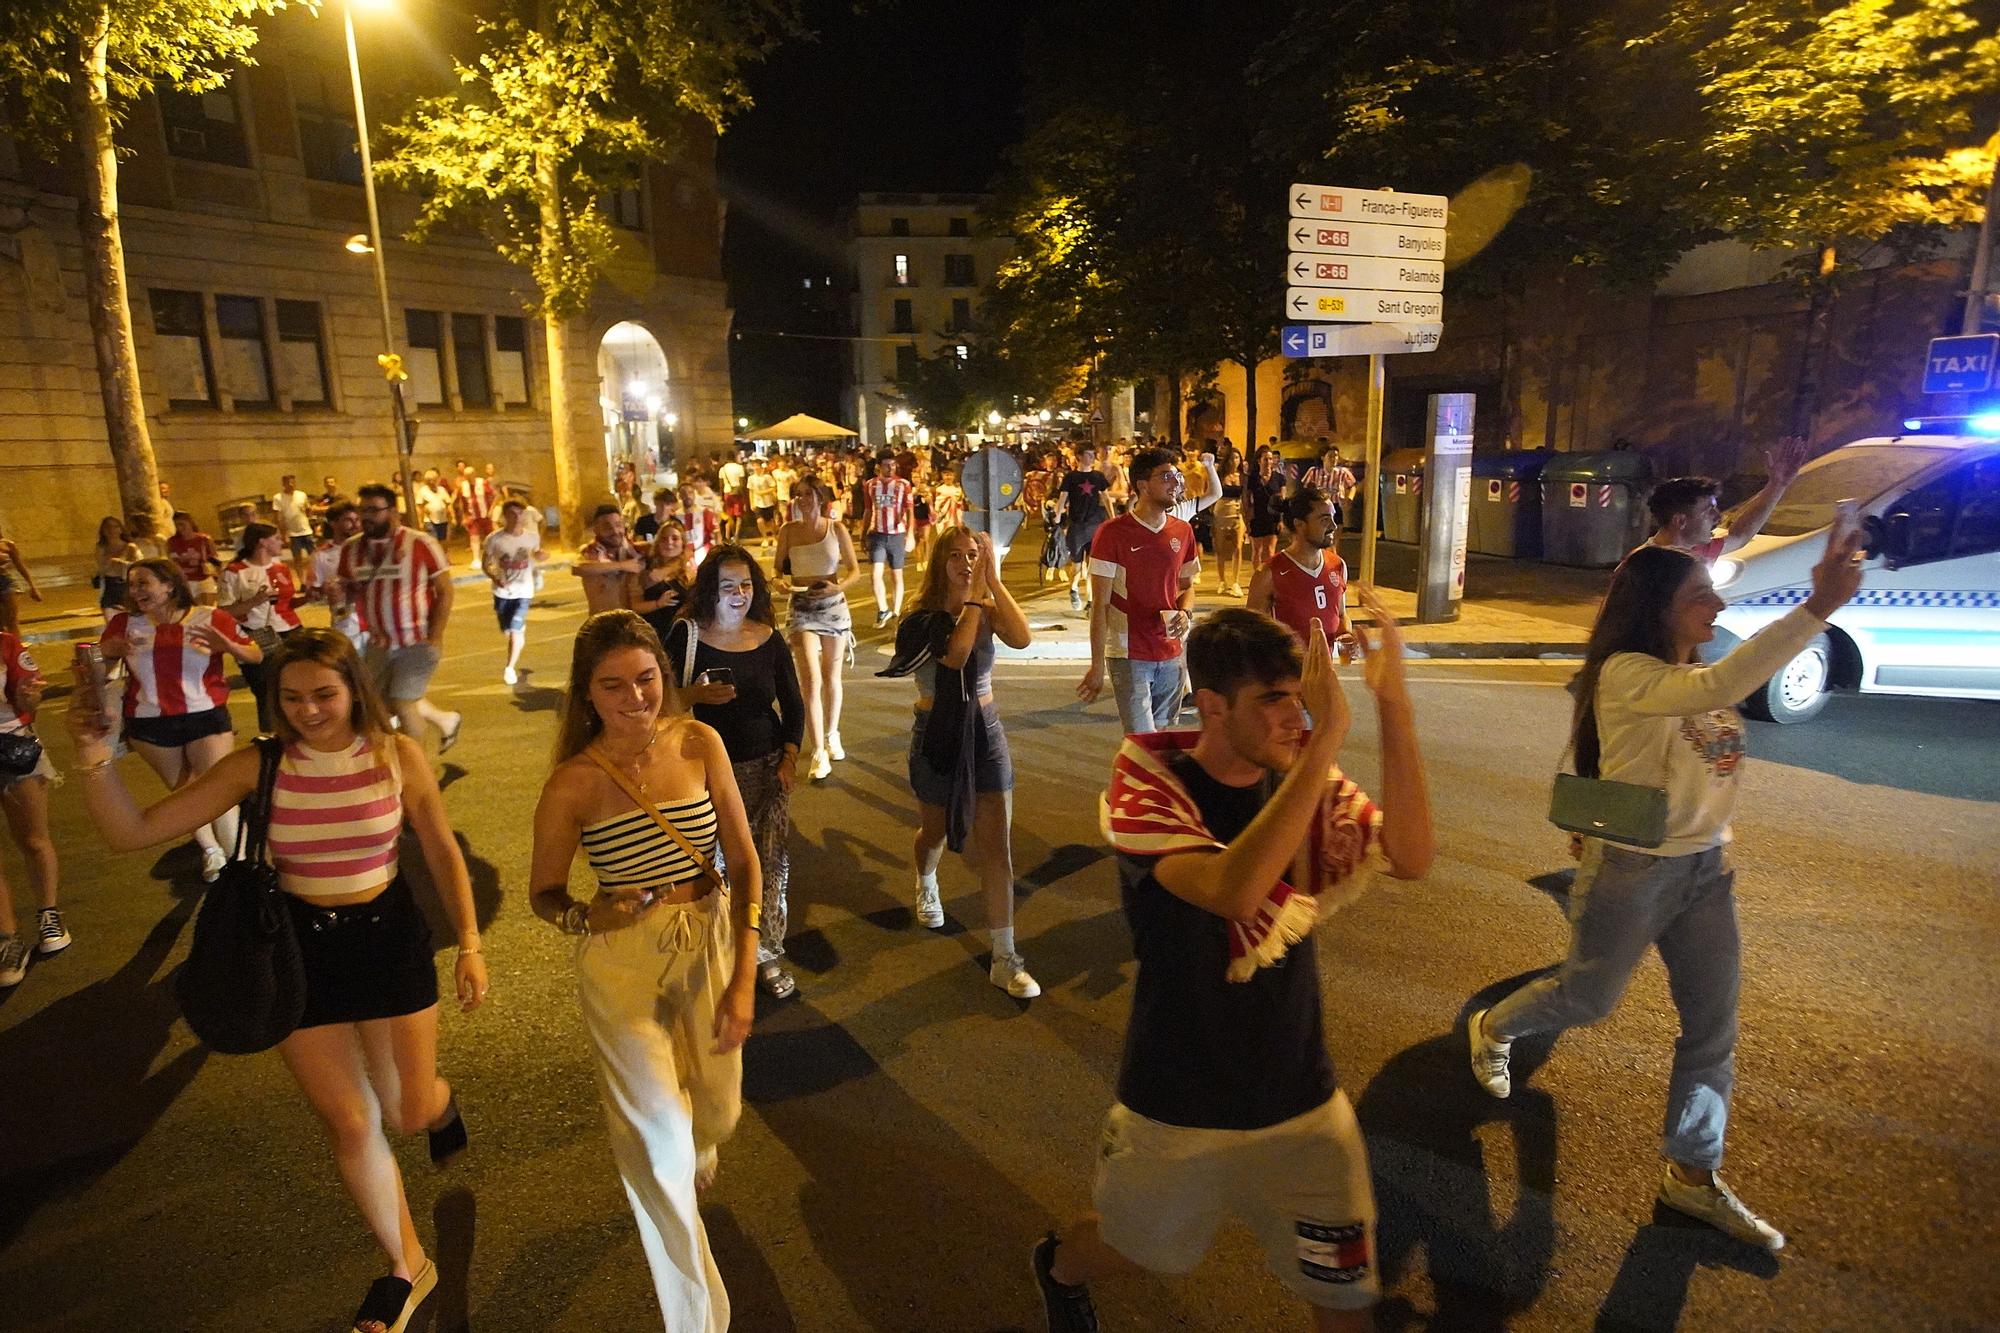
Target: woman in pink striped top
point(367, 1044)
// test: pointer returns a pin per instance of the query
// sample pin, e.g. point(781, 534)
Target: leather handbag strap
point(631, 789)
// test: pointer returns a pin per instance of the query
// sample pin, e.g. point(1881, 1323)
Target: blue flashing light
point(1913, 424)
point(1985, 423)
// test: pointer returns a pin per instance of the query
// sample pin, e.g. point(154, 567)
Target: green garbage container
point(1403, 495)
point(1593, 507)
point(1506, 505)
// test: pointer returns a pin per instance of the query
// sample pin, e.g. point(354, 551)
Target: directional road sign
point(1383, 274)
point(1961, 365)
point(1393, 206)
point(1324, 305)
point(1299, 340)
point(1364, 238)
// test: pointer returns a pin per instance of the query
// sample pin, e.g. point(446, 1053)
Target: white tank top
point(818, 560)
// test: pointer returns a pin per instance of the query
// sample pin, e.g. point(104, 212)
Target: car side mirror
point(1890, 539)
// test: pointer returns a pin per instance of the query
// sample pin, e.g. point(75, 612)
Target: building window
point(905, 319)
point(180, 348)
point(906, 361)
point(510, 359)
point(963, 351)
point(899, 226)
point(960, 227)
point(327, 138)
point(958, 271)
point(902, 271)
point(961, 313)
point(425, 359)
point(245, 362)
point(626, 208)
point(468, 358)
point(301, 352)
point(205, 126)
point(809, 284)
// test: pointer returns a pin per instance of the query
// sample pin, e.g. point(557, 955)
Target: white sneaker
point(1718, 1206)
point(834, 749)
point(13, 960)
point(1010, 973)
point(1489, 1057)
point(508, 675)
point(930, 911)
point(51, 935)
point(212, 861)
point(821, 767)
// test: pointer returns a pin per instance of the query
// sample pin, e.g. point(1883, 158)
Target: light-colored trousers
point(649, 996)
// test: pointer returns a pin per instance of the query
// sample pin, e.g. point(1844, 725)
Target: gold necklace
point(637, 761)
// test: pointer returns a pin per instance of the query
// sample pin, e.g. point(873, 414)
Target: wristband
point(575, 919)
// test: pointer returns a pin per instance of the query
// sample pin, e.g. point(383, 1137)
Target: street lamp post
point(391, 367)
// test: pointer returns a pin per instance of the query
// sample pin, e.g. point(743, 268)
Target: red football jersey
point(1299, 595)
point(1145, 567)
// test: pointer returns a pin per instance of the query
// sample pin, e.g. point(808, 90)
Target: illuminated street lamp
point(993, 418)
point(743, 423)
point(359, 244)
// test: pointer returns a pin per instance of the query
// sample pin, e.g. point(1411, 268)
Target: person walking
point(731, 664)
point(1687, 514)
point(665, 580)
point(292, 510)
point(176, 704)
point(1263, 493)
point(365, 1049)
point(889, 505)
point(256, 590)
point(1307, 580)
point(509, 562)
point(1228, 536)
point(609, 565)
point(24, 799)
point(1080, 511)
point(815, 556)
point(1143, 567)
point(1231, 843)
point(1649, 714)
point(113, 555)
point(341, 523)
point(477, 497)
point(961, 770)
point(434, 506)
point(400, 580)
point(665, 963)
point(194, 551)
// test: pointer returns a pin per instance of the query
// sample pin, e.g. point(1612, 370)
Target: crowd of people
point(691, 707)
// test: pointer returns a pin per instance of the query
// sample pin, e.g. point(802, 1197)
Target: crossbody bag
point(631, 789)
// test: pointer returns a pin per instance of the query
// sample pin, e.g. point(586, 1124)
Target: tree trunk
point(1251, 442)
point(1167, 391)
point(1819, 319)
point(573, 469)
point(105, 298)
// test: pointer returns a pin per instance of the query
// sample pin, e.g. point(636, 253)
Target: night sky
point(905, 95)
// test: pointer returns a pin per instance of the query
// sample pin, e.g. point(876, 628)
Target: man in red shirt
point(399, 579)
point(1306, 580)
point(890, 502)
point(1686, 513)
point(477, 498)
point(1143, 566)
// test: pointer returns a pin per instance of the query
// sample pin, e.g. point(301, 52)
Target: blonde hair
point(606, 632)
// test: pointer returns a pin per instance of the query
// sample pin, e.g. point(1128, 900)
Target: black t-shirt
point(1203, 1051)
point(647, 528)
point(768, 711)
point(1085, 490)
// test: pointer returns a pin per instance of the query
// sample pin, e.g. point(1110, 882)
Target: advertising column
point(1447, 502)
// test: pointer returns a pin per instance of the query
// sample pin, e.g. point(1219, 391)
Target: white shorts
point(1162, 1190)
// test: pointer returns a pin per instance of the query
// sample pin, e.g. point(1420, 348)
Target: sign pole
point(1447, 495)
point(1371, 499)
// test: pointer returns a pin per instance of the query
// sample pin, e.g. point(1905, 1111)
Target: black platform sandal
point(392, 1300)
point(449, 1139)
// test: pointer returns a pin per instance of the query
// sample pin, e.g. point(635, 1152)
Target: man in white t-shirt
point(293, 509)
point(509, 560)
point(323, 583)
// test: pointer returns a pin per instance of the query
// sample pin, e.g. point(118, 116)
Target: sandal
point(449, 1139)
point(775, 982)
point(392, 1300)
point(707, 1165)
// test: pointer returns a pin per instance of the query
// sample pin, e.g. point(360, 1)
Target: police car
point(1927, 618)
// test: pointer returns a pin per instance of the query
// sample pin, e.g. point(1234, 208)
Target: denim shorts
point(993, 772)
point(512, 613)
point(888, 548)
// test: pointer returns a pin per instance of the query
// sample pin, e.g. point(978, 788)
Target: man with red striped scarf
point(1231, 843)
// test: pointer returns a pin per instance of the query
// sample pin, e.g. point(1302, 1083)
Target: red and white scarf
point(1148, 812)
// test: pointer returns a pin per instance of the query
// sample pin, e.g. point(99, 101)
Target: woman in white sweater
point(1647, 713)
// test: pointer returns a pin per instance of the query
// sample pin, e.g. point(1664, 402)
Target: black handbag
point(20, 751)
point(243, 987)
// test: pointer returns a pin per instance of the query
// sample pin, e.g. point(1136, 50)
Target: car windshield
point(1848, 474)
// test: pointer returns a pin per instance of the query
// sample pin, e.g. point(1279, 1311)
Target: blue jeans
point(1148, 693)
point(1623, 902)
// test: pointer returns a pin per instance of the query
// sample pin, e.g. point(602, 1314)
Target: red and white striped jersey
point(17, 672)
point(168, 672)
point(242, 580)
point(389, 582)
point(890, 502)
point(477, 495)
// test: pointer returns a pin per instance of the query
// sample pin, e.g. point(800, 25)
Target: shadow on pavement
point(485, 877)
point(755, 1298)
point(1652, 1284)
point(454, 1218)
point(1423, 1114)
point(82, 1089)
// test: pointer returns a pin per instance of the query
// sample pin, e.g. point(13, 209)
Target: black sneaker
point(51, 935)
point(1069, 1308)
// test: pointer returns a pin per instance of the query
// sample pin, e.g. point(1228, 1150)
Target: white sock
point(927, 881)
point(1003, 942)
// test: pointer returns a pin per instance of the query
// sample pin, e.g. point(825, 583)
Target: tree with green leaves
point(73, 68)
point(565, 105)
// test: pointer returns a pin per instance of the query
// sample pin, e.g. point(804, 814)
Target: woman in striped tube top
point(665, 965)
point(366, 1046)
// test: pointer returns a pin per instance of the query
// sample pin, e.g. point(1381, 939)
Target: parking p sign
point(1961, 365)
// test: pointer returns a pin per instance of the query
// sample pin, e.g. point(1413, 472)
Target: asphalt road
point(910, 1130)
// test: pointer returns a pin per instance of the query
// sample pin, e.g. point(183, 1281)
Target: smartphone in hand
point(717, 676)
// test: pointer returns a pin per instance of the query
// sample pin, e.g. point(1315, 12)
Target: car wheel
point(1798, 691)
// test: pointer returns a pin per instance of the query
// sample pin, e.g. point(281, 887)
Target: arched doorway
point(639, 416)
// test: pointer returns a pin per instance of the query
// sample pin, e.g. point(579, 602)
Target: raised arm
point(1409, 837)
point(1781, 463)
point(127, 828)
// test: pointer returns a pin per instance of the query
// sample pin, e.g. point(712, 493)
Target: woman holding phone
point(732, 666)
point(1649, 713)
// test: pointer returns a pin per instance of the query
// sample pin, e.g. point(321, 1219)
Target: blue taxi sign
point(1961, 365)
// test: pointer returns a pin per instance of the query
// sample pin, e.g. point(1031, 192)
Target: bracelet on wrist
point(574, 919)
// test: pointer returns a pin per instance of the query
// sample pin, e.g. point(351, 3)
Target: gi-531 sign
point(1324, 305)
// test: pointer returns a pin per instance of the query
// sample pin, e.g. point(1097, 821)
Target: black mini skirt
point(368, 961)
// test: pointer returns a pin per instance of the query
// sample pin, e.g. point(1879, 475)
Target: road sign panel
point(1370, 306)
point(1383, 274)
point(1960, 365)
point(1334, 201)
point(1364, 238)
point(1358, 339)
